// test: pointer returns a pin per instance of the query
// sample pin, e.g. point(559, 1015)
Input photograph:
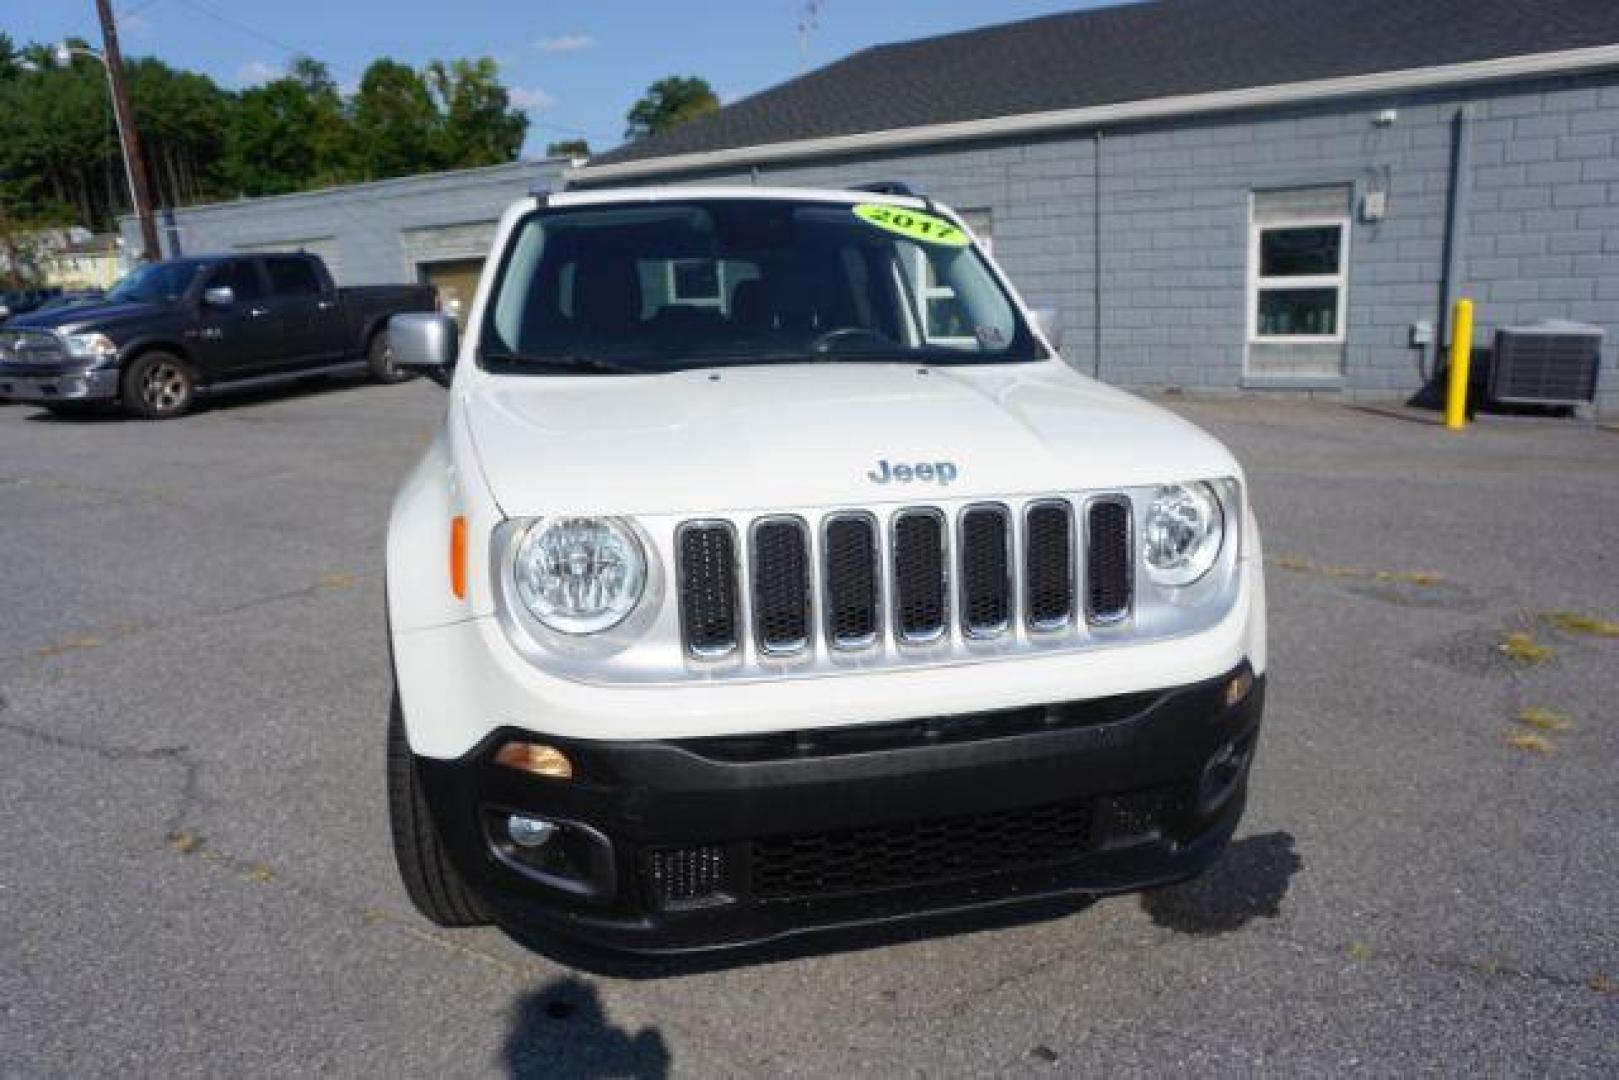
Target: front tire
point(380, 356)
point(158, 386)
point(434, 885)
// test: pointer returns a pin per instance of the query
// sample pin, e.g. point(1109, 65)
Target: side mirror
point(1049, 323)
point(219, 296)
point(425, 342)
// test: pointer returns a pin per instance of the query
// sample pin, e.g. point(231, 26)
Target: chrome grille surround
point(651, 647)
point(22, 346)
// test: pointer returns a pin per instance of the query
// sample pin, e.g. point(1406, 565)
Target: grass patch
point(1359, 951)
point(1521, 646)
point(184, 841)
point(1530, 744)
point(1574, 622)
point(1543, 719)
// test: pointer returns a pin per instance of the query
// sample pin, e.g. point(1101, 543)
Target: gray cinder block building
point(1229, 194)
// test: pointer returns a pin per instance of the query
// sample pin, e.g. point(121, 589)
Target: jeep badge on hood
point(942, 473)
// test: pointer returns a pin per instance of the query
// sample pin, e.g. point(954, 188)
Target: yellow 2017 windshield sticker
point(912, 224)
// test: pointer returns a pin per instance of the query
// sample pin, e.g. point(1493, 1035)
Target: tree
point(668, 103)
point(396, 123)
point(568, 148)
point(478, 125)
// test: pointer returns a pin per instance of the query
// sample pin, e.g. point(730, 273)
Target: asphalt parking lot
point(196, 878)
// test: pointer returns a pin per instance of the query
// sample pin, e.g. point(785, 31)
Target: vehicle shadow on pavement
point(1249, 881)
point(561, 1030)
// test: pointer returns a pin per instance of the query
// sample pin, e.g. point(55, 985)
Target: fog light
point(536, 758)
point(528, 832)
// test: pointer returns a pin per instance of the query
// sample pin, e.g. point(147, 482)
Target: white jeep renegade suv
point(772, 572)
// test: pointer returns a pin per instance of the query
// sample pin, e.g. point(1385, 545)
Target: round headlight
point(1182, 537)
point(579, 575)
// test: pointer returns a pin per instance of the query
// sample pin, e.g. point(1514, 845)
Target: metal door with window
point(244, 336)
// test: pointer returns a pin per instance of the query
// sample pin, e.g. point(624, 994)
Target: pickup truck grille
point(31, 347)
point(915, 578)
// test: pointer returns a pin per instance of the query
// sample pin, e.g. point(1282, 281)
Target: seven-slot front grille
point(859, 577)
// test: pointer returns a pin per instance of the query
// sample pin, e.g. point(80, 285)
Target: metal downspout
point(1461, 187)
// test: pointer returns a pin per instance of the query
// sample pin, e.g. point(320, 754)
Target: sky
point(575, 68)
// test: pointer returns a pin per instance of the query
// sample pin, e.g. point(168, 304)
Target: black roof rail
point(887, 187)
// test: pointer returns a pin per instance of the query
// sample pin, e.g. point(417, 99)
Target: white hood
point(809, 435)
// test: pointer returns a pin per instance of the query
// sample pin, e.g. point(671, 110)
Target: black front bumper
point(702, 843)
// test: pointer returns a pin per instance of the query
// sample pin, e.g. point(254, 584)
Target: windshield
point(155, 283)
point(653, 287)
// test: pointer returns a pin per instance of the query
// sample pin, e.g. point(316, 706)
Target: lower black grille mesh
point(852, 595)
point(986, 585)
point(708, 589)
point(919, 575)
point(892, 856)
point(1107, 560)
point(1049, 558)
point(781, 585)
point(686, 876)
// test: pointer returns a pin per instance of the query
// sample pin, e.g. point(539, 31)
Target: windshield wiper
point(595, 365)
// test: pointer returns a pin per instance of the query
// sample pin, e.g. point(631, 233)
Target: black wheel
point(158, 386)
point(434, 886)
point(380, 355)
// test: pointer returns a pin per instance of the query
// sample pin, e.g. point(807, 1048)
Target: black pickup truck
point(173, 330)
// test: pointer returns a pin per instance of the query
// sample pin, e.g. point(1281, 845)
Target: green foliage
point(60, 161)
point(669, 102)
point(569, 148)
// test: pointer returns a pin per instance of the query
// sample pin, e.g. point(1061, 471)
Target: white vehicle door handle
point(256, 312)
point(326, 305)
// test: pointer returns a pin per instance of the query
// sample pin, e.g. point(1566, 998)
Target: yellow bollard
point(1461, 360)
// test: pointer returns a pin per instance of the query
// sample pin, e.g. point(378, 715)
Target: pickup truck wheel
point(380, 355)
point(157, 386)
point(435, 887)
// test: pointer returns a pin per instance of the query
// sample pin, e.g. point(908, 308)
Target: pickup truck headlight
point(90, 346)
point(1184, 529)
point(579, 575)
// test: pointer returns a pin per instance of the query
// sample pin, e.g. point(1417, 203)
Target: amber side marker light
point(1238, 687)
point(536, 759)
point(458, 557)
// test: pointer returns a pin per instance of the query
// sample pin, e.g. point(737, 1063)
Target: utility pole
point(126, 129)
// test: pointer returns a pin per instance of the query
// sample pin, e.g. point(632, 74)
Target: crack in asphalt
point(184, 837)
point(191, 797)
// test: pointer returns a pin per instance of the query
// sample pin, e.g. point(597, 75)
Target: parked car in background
point(173, 330)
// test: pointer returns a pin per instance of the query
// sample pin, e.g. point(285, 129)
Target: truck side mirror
point(425, 342)
point(219, 296)
point(1049, 323)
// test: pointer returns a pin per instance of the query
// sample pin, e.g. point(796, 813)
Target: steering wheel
point(825, 343)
